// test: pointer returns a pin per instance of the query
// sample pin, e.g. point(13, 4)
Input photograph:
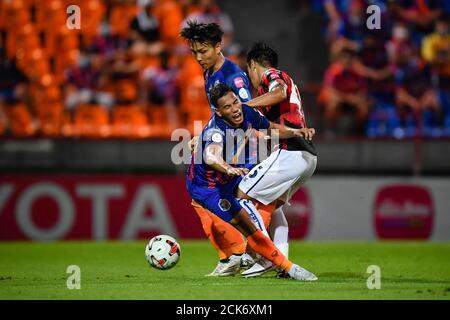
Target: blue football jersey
point(233, 76)
point(200, 176)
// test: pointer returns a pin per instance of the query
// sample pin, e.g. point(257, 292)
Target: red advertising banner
point(56, 207)
point(95, 207)
point(403, 212)
point(298, 214)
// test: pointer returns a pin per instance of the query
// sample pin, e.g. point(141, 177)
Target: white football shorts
point(281, 174)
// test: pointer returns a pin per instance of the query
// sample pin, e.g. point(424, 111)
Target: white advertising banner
point(371, 208)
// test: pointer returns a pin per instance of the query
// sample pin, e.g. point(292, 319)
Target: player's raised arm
point(277, 95)
point(284, 132)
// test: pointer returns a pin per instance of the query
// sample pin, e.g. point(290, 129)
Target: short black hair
point(201, 32)
point(264, 55)
point(217, 92)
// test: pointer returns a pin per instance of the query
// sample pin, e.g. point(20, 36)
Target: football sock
point(254, 214)
point(265, 247)
point(266, 212)
point(279, 230)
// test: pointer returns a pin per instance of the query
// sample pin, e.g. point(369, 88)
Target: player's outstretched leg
point(228, 242)
point(279, 234)
point(262, 244)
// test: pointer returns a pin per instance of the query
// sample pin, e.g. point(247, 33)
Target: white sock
point(279, 230)
point(254, 214)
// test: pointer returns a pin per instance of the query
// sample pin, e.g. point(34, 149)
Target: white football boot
point(246, 261)
point(262, 266)
point(298, 273)
point(229, 268)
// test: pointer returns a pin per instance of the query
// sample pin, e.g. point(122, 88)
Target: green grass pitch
point(118, 270)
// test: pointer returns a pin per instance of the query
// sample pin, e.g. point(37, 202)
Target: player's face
point(229, 107)
point(205, 54)
point(253, 75)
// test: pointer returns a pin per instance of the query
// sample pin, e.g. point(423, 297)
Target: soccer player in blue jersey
point(205, 44)
point(212, 181)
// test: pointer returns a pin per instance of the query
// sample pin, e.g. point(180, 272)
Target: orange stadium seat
point(120, 19)
point(158, 116)
point(51, 118)
point(2, 128)
point(16, 14)
point(22, 40)
point(52, 17)
point(93, 12)
point(64, 61)
point(38, 65)
point(3, 121)
point(129, 121)
point(193, 102)
point(62, 42)
point(20, 121)
point(90, 121)
point(170, 16)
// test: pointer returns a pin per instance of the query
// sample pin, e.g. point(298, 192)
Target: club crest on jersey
point(243, 93)
point(239, 82)
point(224, 205)
point(216, 137)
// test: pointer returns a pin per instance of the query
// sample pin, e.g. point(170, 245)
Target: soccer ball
point(162, 252)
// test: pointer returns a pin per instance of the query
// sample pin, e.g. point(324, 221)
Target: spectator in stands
point(344, 90)
point(436, 51)
point(106, 44)
point(13, 81)
point(373, 60)
point(373, 63)
point(145, 26)
point(161, 84)
point(13, 88)
point(350, 32)
point(83, 82)
point(416, 99)
point(400, 43)
point(420, 14)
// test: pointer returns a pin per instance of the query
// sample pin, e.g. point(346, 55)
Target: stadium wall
point(61, 207)
point(349, 156)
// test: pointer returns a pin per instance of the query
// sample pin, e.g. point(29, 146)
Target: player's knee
point(240, 194)
point(244, 223)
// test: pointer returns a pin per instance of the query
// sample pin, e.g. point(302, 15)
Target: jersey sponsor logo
point(239, 82)
point(217, 137)
point(403, 212)
point(224, 205)
point(243, 93)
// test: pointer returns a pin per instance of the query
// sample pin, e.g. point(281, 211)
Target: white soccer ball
point(162, 252)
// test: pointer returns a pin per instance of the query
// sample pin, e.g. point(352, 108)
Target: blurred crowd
point(389, 77)
point(124, 73)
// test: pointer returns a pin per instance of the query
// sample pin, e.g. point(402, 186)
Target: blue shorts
point(222, 202)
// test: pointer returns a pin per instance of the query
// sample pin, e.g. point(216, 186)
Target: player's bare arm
point(277, 95)
point(284, 132)
point(213, 157)
point(193, 143)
